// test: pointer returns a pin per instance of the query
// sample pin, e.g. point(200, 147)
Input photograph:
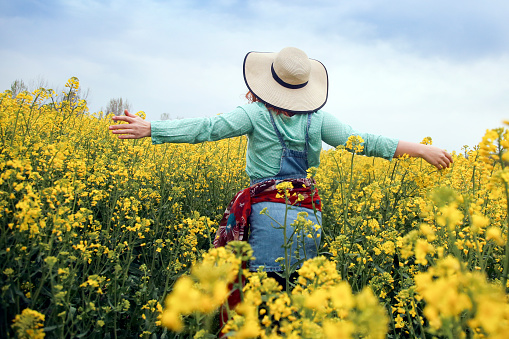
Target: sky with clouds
point(404, 68)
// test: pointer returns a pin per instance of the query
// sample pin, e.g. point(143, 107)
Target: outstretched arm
point(135, 129)
point(434, 155)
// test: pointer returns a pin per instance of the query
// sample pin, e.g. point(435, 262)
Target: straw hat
point(287, 80)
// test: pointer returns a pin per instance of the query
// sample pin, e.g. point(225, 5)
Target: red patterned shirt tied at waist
point(235, 222)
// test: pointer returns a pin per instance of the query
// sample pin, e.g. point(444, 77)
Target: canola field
point(108, 238)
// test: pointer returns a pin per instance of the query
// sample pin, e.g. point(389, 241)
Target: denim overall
point(265, 240)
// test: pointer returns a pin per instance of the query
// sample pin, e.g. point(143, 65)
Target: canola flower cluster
point(107, 237)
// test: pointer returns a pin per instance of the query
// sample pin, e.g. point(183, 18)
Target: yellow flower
point(251, 327)
point(317, 299)
point(479, 222)
point(354, 143)
point(450, 291)
point(29, 324)
point(342, 298)
point(388, 247)
point(428, 232)
point(450, 216)
point(338, 329)
point(207, 286)
point(427, 141)
point(51, 261)
point(422, 248)
point(494, 233)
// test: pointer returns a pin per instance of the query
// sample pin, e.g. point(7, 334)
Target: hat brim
point(259, 80)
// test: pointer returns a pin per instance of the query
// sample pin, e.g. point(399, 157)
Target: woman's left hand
point(135, 129)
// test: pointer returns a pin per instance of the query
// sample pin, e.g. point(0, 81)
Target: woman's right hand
point(434, 155)
point(135, 128)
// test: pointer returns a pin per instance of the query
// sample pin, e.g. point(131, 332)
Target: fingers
point(441, 166)
point(121, 129)
point(448, 157)
point(444, 160)
point(437, 157)
point(126, 130)
point(135, 128)
point(127, 136)
point(125, 133)
point(127, 118)
point(115, 127)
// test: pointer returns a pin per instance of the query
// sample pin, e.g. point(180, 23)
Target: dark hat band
point(282, 83)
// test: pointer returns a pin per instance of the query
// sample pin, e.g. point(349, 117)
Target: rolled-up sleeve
point(336, 133)
point(196, 130)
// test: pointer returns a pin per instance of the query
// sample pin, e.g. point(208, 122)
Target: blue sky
point(406, 69)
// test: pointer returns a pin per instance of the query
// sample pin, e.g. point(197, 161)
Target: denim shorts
point(267, 241)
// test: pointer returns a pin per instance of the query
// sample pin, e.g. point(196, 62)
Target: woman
point(285, 127)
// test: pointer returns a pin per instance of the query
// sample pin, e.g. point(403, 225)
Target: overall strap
point(307, 132)
point(280, 137)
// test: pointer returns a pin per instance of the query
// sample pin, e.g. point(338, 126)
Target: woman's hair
point(252, 98)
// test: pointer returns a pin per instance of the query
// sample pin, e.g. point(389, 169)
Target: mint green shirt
point(263, 156)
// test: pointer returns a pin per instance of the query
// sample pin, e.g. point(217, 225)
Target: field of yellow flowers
point(107, 238)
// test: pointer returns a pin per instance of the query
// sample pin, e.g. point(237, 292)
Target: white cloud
point(387, 92)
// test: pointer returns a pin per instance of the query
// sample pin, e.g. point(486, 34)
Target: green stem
point(287, 260)
point(347, 198)
point(409, 319)
point(16, 122)
point(506, 264)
